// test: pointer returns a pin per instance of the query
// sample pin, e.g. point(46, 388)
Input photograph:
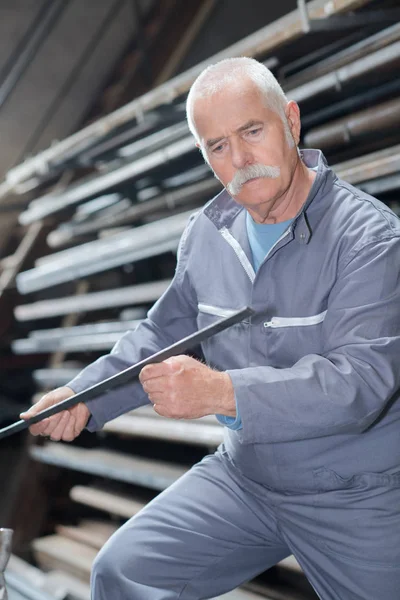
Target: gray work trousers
point(214, 529)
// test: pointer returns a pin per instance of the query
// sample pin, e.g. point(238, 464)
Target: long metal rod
point(381, 118)
point(126, 376)
point(344, 57)
point(53, 203)
point(287, 28)
point(142, 242)
point(169, 200)
point(130, 295)
point(334, 81)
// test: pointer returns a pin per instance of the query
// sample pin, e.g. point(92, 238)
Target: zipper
point(277, 322)
point(240, 253)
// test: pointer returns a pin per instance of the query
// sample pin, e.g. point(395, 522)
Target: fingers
point(162, 369)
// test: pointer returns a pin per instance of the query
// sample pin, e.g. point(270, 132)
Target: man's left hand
point(184, 388)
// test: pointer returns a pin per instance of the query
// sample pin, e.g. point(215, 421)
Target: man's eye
point(218, 148)
point(254, 131)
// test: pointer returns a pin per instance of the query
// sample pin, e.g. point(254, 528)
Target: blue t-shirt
point(261, 239)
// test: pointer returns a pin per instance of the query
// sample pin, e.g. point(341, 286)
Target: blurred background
point(98, 175)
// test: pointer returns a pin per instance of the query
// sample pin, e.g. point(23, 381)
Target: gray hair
point(225, 72)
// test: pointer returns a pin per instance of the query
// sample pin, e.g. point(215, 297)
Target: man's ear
point(292, 112)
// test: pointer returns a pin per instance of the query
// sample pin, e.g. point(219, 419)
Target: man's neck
point(290, 203)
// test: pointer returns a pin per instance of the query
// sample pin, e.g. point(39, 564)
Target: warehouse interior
point(98, 177)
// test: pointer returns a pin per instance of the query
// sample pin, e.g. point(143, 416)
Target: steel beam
point(145, 293)
point(288, 28)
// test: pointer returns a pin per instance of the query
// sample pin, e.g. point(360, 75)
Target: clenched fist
point(66, 425)
point(184, 388)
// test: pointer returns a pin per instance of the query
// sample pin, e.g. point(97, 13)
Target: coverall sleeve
point(346, 387)
point(171, 318)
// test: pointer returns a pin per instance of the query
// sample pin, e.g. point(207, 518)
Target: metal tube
point(370, 166)
point(348, 129)
point(346, 56)
point(136, 244)
point(144, 293)
point(334, 82)
point(188, 195)
point(53, 203)
point(287, 28)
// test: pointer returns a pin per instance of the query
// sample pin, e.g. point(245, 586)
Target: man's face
point(236, 131)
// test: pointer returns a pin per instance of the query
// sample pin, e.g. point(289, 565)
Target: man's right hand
point(66, 425)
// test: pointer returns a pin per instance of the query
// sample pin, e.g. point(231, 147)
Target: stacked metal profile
point(133, 209)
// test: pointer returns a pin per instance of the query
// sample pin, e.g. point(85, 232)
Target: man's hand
point(184, 388)
point(66, 425)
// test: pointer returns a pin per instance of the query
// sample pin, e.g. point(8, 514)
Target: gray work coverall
point(315, 470)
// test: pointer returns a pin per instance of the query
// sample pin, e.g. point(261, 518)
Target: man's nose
point(240, 155)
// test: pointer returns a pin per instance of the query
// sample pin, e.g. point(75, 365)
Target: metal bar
point(77, 330)
point(281, 31)
point(170, 430)
point(354, 102)
point(345, 131)
point(22, 590)
point(135, 244)
point(55, 377)
point(344, 57)
point(190, 194)
point(15, 261)
point(81, 338)
point(126, 376)
point(370, 166)
point(30, 44)
point(153, 474)
point(364, 19)
point(381, 185)
point(144, 293)
point(334, 82)
point(53, 203)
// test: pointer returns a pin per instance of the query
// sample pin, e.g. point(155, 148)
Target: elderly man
point(307, 389)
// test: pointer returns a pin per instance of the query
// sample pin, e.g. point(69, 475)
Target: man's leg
point(200, 538)
point(348, 539)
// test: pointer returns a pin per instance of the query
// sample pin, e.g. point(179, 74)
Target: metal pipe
point(53, 203)
point(144, 293)
point(56, 377)
point(366, 98)
point(169, 430)
point(344, 57)
point(352, 127)
point(190, 194)
point(57, 333)
point(153, 474)
point(388, 57)
point(377, 164)
point(287, 28)
point(71, 343)
point(142, 242)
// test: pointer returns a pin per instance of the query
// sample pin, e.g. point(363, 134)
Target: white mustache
point(251, 172)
